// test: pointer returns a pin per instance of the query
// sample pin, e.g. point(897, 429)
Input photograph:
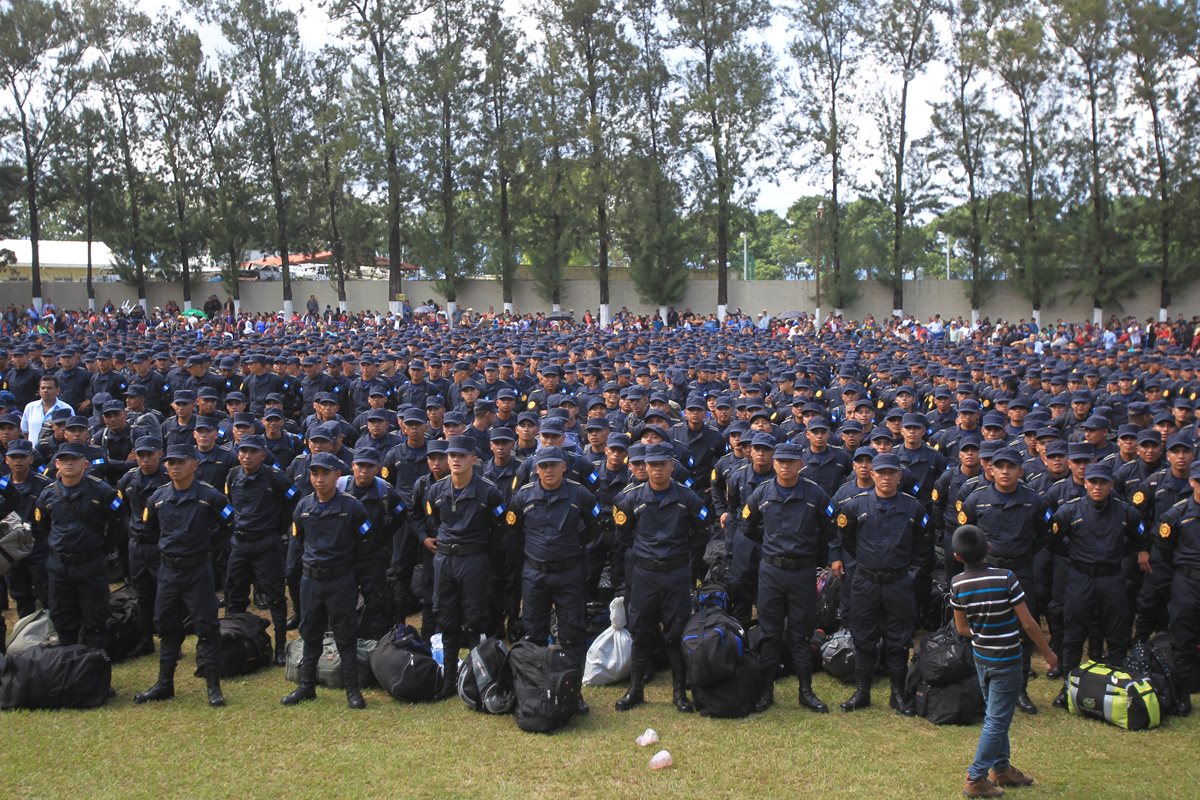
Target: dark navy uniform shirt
point(555, 525)
point(790, 523)
point(189, 522)
point(262, 500)
point(884, 533)
point(76, 519)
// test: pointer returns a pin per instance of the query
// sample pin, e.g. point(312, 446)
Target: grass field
point(255, 748)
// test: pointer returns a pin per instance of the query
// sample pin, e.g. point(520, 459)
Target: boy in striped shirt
point(989, 607)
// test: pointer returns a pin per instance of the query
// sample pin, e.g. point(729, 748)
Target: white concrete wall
point(923, 297)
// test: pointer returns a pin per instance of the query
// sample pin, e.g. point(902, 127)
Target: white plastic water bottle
point(435, 644)
point(660, 760)
point(649, 737)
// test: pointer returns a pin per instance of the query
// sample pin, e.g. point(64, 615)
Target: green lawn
point(255, 748)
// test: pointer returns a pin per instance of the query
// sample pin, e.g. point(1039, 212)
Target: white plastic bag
point(610, 656)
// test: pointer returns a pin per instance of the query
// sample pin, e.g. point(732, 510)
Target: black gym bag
point(70, 676)
point(713, 644)
point(944, 657)
point(245, 645)
point(122, 632)
point(404, 666)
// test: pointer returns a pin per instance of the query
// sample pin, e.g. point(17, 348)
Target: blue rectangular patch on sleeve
point(399, 507)
point(115, 504)
point(703, 512)
point(596, 510)
point(227, 512)
point(364, 528)
point(498, 510)
point(829, 510)
point(290, 493)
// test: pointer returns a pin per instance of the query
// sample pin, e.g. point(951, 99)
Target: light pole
point(820, 216)
point(745, 257)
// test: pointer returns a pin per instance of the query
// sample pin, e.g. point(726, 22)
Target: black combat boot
point(280, 626)
point(164, 689)
point(212, 678)
point(766, 698)
point(807, 698)
point(679, 681)
point(635, 696)
point(307, 690)
point(862, 690)
point(354, 697)
point(1060, 700)
point(899, 700)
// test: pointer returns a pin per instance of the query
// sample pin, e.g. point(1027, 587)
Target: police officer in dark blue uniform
point(887, 533)
point(262, 498)
point(744, 553)
point(1177, 554)
point(75, 514)
point(661, 527)
point(553, 520)
point(466, 515)
point(188, 518)
point(387, 514)
point(330, 531)
point(27, 578)
point(1095, 533)
point(1016, 521)
point(793, 519)
point(135, 488)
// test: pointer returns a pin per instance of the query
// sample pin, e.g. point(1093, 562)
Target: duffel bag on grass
point(329, 664)
point(547, 686)
point(485, 680)
point(404, 666)
point(1121, 698)
point(245, 645)
point(35, 630)
point(70, 676)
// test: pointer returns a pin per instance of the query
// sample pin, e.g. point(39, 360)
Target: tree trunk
point(339, 268)
point(135, 213)
point(386, 112)
point(181, 221)
point(35, 229)
point(88, 233)
point(900, 210)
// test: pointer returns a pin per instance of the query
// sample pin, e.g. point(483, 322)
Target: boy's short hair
point(970, 544)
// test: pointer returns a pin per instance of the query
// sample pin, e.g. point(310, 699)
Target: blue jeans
point(1001, 685)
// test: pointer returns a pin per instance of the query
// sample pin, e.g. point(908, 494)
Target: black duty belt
point(661, 565)
point(187, 562)
point(1096, 570)
point(1189, 572)
point(252, 536)
point(789, 563)
point(1010, 563)
point(82, 557)
point(324, 573)
point(142, 537)
point(880, 575)
point(553, 566)
point(460, 549)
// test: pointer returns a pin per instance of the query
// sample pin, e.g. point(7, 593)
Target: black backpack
point(70, 676)
point(944, 657)
point(123, 630)
point(485, 680)
point(837, 656)
point(245, 645)
point(1148, 658)
point(829, 598)
point(713, 644)
point(404, 666)
point(547, 685)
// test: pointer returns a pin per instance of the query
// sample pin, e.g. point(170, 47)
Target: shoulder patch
point(1164, 530)
point(962, 518)
point(1139, 497)
point(511, 518)
point(146, 514)
point(958, 505)
point(619, 516)
point(746, 512)
point(842, 521)
point(37, 515)
point(934, 495)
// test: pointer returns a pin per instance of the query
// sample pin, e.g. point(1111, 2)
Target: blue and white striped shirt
point(988, 596)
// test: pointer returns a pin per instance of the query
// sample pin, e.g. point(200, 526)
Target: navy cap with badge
point(19, 447)
point(1098, 472)
point(789, 451)
point(206, 424)
point(77, 422)
point(659, 452)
